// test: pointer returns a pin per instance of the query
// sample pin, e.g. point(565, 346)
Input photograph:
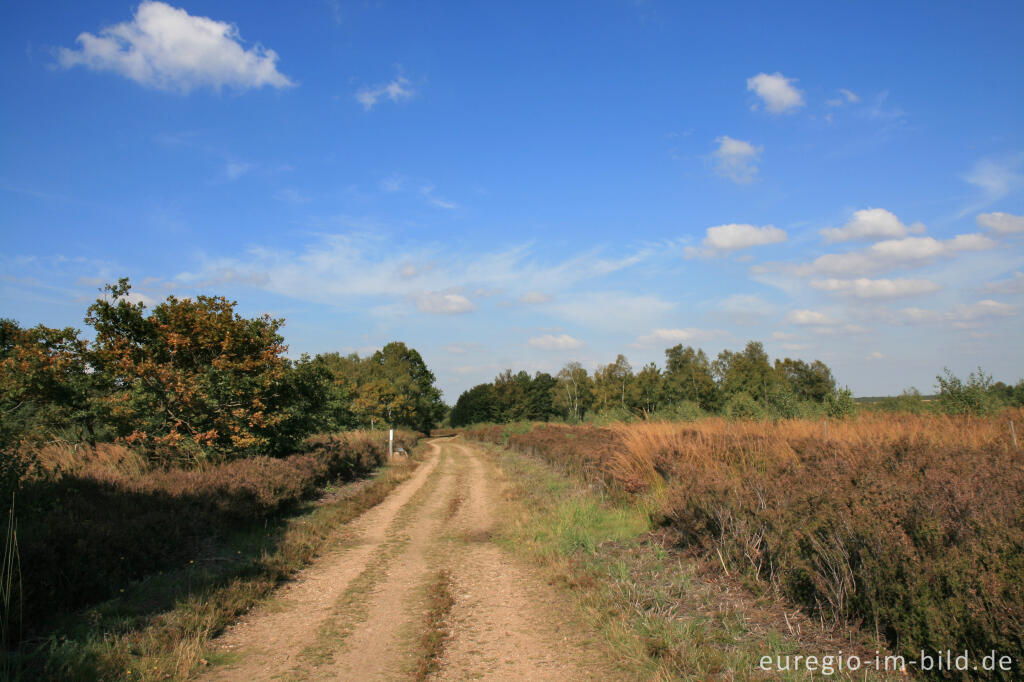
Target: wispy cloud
point(534, 298)
point(736, 159)
point(1012, 285)
point(345, 268)
point(397, 90)
point(996, 178)
point(891, 254)
point(167, 48)
point(443, 303)
point(552, 342)
point(961, 316)
point(846, 97)
point(807, 317)
point(864, 288)
point(689, 335)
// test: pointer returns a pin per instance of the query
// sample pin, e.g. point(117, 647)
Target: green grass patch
point(657, 610)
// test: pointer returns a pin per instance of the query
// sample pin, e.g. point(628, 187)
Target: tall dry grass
point(95, 519)
point(912, 525)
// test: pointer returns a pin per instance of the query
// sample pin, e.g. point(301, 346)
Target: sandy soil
point(358, 612)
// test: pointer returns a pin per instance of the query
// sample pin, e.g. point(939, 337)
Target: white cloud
point(868, 224)
point(969, 312)
point(1002, 223)
point(1013, 285)
point(534, 297)
point(807, 317)
point(997, 177)
point(437, 202)
point(723, 239)
point(848, 97)
point(736, 159)
point(674, 336)
point(877, 355)
point(395, 91)
point(610, 310)
point(832, 330)
point(876, 288)
point(551, 342)
point(962, 316)
point(367, 265)
point(441, 303)
point(783, 336)
point(234, 169)
point(167, 48)
point(892, 254)
point(777, 92)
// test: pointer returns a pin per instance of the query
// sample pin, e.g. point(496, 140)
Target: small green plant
point(840, 404)
point(742, 406)
point(975, 397)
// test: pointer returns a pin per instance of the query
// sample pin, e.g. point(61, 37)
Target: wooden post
point(391, 442)
point(1014, 434)
point(824, 425)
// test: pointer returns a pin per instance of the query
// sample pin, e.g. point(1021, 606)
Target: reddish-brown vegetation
point(911, 525)
point(94, 520)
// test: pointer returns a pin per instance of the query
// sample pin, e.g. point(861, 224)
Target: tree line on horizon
point(742, 383)
point(192, 379)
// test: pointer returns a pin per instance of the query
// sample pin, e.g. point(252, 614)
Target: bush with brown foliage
point(93, 520)
point(910, 524)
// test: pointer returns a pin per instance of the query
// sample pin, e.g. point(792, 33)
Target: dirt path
point(360, 611)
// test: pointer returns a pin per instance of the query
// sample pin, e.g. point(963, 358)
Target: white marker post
point(391, 442)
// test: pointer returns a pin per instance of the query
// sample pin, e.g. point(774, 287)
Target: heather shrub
point(909, 525)
point(88, 530)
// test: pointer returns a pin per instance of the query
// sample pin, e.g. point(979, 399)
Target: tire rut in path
point(507, 623)
point(359, 613)
point(383, 644)
point(269, 640)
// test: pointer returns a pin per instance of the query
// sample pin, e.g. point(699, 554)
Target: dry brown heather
point(912, 526)
point(92, 520)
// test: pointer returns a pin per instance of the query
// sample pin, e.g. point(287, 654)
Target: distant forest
point(744, 384)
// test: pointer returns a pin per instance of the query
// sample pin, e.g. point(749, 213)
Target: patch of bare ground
point(267, 642)
point(506, 622)
point(418, 590)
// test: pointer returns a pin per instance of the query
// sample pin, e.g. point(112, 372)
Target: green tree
point(46, 386)
point(474, 406)
point(973, 397)
point(420, 406)
point(649, 388)
point(612, 385)
point(812, 381)
point(746, 372)
point(192, 375)
point(688, 376)
point(573, 393)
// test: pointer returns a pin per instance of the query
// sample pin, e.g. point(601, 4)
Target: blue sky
point(524, 184)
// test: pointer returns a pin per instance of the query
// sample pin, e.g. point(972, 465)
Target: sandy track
point(357, 614)
point(507, 624)
point(270, 638)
